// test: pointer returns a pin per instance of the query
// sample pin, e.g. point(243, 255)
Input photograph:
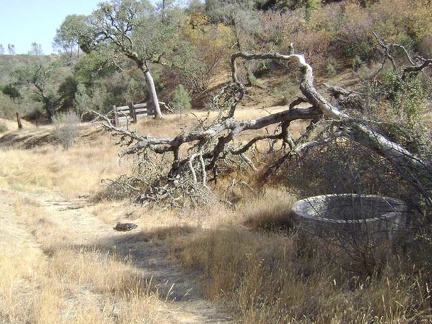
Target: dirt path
point(77, 227)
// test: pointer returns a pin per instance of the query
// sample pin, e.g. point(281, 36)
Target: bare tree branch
point(414, 68)
point(213, 142)
point(306, 84)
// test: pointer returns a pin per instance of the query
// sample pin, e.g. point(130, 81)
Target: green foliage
point(68, 35)
point(285, 5)
point(405, 94)
point(224, 10)
point(252, 79)
point(82, 101)
point(12, 91)
point(8, 107)
point(94, 67)
point(36, 49)
point(42, 78)
point(362, 48)
point(98, 78)
point(309, 7)
point(100, 103)
point(134, 90)
point(181, 101)
point(357, 63)
point(331, 67)
point(66, 91)
point(109, 100)
point(137, 31)
point(3, 127)
point(152, 34)
point(404, 100)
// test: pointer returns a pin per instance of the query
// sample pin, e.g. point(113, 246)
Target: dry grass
point(257, 262)
point(77, 171)
point(80, 286)
point(45, 279)
point(253, 258)
point(278, 274)
point(164, 127)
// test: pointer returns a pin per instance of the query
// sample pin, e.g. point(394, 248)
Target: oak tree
point(134, 29)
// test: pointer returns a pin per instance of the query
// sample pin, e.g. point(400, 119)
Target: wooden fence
point(131, 113)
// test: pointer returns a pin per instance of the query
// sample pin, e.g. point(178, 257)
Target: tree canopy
point(134, 45)
point(69, 34)
point(136, 30)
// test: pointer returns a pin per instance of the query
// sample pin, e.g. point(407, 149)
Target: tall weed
point(66, 127)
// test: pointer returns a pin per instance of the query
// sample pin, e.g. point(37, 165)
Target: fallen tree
point(195, 155)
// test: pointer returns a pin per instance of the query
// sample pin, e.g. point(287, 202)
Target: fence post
point(150, 108)
point(133, 112)
point(20, 126)
point(116, 120)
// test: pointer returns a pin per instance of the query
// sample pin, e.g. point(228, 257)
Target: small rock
point(125, 227)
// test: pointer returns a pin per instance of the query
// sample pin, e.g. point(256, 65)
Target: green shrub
point(405, 94)
point(181, 100)
point(11, 91)
point(8, 107)
point(331, 67)
point(252, 79)
point(3, 127)
point(357, 63)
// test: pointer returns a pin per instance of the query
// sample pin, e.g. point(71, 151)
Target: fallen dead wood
point(212, 143)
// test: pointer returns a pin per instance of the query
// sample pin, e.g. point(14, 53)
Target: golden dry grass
point(275, 274)
point(73, 286)
point(77, 171)
point(46, 279)
point(252, 258)
point(164, 127)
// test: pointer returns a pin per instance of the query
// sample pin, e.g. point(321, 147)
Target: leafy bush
point(252, 79)
point(357, 63)
point(181, 100)
point(11, 91)
point(8, 107)
point(3, 127)
point(405, 94)
point(331, 67)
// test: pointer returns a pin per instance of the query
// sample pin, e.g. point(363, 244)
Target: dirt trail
point(78, 227)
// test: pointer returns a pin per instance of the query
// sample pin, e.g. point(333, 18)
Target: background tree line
point(129, 50)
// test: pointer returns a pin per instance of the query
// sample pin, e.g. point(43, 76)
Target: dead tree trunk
point(412, 167)
point(212, 143)
point(143, 66)
point(153, 94)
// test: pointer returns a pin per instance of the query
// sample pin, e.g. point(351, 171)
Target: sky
point(23, 22)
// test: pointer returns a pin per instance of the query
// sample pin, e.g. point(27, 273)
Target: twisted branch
point(215, 140)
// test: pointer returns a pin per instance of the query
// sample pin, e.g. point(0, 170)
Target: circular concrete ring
point(376, 213)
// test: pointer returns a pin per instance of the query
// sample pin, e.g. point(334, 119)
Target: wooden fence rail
point(131, 113)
